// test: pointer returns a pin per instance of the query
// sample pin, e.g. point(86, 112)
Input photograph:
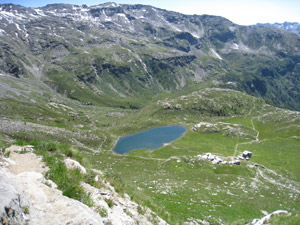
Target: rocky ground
point(28, 198)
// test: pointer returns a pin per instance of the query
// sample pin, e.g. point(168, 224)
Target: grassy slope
point(182, 188)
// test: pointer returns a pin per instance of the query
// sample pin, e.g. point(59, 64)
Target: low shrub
point(50, 146)
point(67, 180)
point(101, 211)
point(109, 202)
point(116, 182)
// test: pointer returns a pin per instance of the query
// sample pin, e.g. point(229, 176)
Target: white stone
point(266, 219)
point(72, 164)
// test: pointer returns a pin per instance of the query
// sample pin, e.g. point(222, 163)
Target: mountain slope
point(105, 53)
point(175, 181)
point(290, 26)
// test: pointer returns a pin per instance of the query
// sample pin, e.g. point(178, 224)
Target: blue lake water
point(149, 139)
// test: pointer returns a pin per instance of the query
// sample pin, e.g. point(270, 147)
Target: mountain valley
point(73, 79)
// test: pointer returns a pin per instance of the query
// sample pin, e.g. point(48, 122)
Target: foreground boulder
point(27, 197)
point(13, 202)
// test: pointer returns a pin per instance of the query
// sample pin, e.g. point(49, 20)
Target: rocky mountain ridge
point(289, 26)
point(112, 51)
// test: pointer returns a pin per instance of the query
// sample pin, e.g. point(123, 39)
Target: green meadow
point(173, 181)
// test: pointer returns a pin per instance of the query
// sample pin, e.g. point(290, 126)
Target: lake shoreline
point(163, 144)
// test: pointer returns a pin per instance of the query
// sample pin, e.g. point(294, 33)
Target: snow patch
point(235, 46)
point(115, 90)
point(39, 12)
point(25, 31)
point(114, 5)
point(2, 32)
point(7, 15)
point(231, 28)
point(216, 54)
point(195, 35)
point(17, 26)
point(124, 16)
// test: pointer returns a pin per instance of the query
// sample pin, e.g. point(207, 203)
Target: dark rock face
point(187, 36)
point(137, 48)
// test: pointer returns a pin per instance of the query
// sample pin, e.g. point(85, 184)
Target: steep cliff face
point(89, 53)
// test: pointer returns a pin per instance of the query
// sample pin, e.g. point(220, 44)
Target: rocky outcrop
point(167, 105)
point(49, 206)
point(245, 155)
point(13, 202)
point(122, 210)
point(217, 160)
point(72, 164)
point(31, 199)
point(267, 218)
point(115, 114)
point(27, 197)
point(226, 129)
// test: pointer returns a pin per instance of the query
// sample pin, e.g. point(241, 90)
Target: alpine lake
point(153, 138)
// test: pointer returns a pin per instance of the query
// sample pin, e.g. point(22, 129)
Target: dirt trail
point(249, 142)
point(28, 162)
point(277, 179)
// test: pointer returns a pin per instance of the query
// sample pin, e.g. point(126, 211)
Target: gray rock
point(246, 155)
point(236, 162)
point(13, 202)
point(260, 166)
point(115, 114)
point(167, 105)
point(217, 160)
point(266, 219)
point(178, 106)
point(72, 164)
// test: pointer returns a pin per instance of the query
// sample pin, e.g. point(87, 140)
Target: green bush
point(20, 142)
point(140, 210)
point(116, 182)
point(109, 202)
point(7, 154)
point(67, 180)
point(101, 211)
point(50, 146)
point(90, 178)
point(26, 210)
